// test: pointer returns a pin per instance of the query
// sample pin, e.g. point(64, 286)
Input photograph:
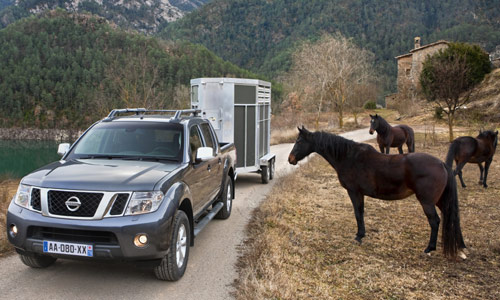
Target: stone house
point(410, 64)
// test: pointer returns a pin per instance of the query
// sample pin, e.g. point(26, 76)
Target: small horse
point(473, 150)
point(362, 170)
point(389, 136)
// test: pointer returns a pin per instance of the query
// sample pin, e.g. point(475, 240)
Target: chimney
point(417, 42)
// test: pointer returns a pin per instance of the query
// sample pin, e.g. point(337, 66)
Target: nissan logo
point(73, 203)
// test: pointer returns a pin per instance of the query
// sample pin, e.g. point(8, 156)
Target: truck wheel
point(227, 199)
point(265, 174)
point(173, 265)
point(37, 261)
point(271, 169)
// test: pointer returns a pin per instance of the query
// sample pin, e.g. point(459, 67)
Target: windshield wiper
point(100, 156)
point(148, 158)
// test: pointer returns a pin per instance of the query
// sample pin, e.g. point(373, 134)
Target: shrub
point(370, 105)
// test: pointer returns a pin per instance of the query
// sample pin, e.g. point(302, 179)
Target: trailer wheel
point(227, 199)
point(173, 265)
point(271, 169)
point(265, 174)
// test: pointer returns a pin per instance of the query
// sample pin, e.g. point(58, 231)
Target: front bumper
point(112, 238)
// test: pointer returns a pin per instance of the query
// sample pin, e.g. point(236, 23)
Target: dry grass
point(301, 242)
point(7, 190)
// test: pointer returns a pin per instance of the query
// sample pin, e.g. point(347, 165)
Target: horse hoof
point(358, 239)
point(462, 255)
point(465, 251)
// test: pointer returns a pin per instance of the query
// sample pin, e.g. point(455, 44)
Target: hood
point(100, 175)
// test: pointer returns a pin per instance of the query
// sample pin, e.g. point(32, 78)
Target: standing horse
point(473, 150)
point(362, 170)
point(389, 136)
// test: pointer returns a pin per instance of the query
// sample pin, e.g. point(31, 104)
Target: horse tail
point(451, 232)
point(411, 139)
point(452, 151)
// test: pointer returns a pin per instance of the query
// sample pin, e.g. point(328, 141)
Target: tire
point(37, 261)
point(271, 169)
point(265, 174)
point(227, 199)
point(173, 265)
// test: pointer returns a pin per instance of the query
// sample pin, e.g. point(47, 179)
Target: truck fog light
point(13, 230)
point(141, 240)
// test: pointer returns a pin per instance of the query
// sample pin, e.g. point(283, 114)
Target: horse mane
point(333, 144)
point(383, 123)
point(486, 133)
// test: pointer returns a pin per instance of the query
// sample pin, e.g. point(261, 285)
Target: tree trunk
point(341, 116)
point(450, 126)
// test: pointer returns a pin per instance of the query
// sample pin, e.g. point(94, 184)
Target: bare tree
point(326, 71)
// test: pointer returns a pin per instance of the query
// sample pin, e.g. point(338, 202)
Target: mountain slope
point(145, 16)
point(66, 70)
point(260, 35)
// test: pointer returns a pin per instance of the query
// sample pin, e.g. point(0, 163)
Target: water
point(20, 157)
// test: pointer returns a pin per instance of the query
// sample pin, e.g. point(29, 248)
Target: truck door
point(200, 175)
point(216, 167)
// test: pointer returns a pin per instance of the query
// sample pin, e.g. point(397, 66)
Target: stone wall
point(418, 59)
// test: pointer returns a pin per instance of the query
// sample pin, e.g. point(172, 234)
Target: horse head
point(374, 123)
point(304, 145)
point(489, 135)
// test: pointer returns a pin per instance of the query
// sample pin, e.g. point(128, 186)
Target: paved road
point(211, 268)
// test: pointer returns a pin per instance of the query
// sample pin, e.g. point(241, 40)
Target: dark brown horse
point(473, 150)
point(364, 171)
point(389, 136)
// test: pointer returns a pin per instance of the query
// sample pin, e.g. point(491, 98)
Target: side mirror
point(204, 154)
point(62, 149)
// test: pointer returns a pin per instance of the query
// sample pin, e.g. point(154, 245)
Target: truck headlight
point(22, 197)
point(144, 202)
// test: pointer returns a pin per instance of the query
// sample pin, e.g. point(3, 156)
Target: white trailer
point(240, 112)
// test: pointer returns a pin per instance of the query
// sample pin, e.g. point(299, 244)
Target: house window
point(408, 72)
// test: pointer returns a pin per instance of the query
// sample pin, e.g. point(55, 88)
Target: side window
point(207, 134)
point(194, 141)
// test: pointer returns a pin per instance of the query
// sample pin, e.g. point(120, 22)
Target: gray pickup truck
point(137, 186)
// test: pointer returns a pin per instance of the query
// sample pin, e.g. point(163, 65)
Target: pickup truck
point(137, 186)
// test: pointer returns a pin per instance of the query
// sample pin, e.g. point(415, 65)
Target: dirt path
point(210, 273)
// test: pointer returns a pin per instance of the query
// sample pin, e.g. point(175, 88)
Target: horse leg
point(433, 218)
point(358, 203)
point(486, 168)
point(388, 148)
point(481, 169)
point(458, 171)
point(381, 148)
point(400, 149)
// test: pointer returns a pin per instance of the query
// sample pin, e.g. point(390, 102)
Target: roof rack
point(142, 111)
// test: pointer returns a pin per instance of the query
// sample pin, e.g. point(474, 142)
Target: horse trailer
point(240, 112)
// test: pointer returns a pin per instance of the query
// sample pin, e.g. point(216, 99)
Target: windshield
point(131, 140)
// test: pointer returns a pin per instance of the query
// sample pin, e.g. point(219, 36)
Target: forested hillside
point(65, 70)
point(144, 16)
point(260, 35)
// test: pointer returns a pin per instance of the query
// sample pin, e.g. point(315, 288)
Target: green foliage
point(438, 112)
point(65, 71)
point(260, 35)
point(370, 105)
point(452, 71)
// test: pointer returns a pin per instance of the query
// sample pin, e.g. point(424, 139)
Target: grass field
point(301, 242)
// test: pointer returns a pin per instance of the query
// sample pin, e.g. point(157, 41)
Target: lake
point(20, 157)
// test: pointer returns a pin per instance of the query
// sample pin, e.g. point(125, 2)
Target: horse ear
point(496, 132)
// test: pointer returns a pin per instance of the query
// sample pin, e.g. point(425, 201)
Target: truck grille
point(72, 235)
point(89, 203)
point(36, 199)
point(119, 205)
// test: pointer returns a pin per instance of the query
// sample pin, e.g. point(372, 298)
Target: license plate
point(68, 248)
